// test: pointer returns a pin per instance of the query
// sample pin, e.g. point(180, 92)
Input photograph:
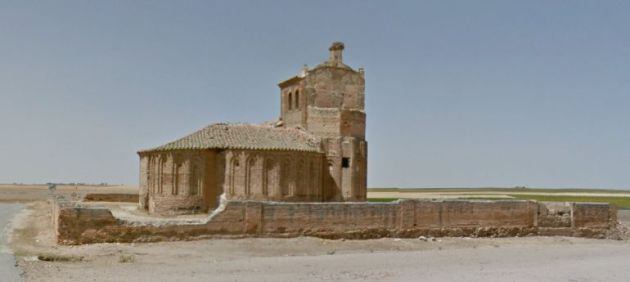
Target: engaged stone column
point(144, 182)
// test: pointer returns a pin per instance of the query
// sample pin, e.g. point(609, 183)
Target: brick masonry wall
point(591, 215)
point(273, 176)
point(178, 182)
point(77, 224)
point(111, 197)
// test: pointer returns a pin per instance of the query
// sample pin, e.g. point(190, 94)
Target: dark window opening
point(345, 162)
point(290, 100)
point(297, 99)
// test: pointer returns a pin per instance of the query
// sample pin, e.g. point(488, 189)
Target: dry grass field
point(620, 198)
point(21, 193)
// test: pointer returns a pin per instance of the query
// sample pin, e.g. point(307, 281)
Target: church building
point(315, 152)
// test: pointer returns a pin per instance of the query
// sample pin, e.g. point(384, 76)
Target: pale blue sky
point(459, 93)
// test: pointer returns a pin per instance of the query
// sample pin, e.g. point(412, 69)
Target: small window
point(345, 162)
point(297, 99)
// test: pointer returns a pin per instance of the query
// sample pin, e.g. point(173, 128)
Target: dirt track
point(8, 271)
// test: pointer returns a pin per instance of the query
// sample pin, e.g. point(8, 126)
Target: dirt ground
point(313, 259)
point(8, 271)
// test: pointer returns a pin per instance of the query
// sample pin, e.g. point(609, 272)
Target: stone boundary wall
point(111, 197)
point(78, 224)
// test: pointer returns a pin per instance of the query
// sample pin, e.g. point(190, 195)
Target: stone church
point(315, 152)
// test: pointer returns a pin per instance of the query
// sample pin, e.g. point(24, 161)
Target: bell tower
point(329, 101)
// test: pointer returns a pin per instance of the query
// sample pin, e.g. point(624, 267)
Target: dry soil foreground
point(305, 259)
point(312, 259)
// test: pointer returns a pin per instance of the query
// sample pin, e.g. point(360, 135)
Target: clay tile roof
point(244, 136)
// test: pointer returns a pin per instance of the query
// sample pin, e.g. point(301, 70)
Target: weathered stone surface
point(593, 215)
point(77, 224)
point(553, 214)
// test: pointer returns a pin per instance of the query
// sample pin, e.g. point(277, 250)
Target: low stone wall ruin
point(111, 197)
point(76, 223)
